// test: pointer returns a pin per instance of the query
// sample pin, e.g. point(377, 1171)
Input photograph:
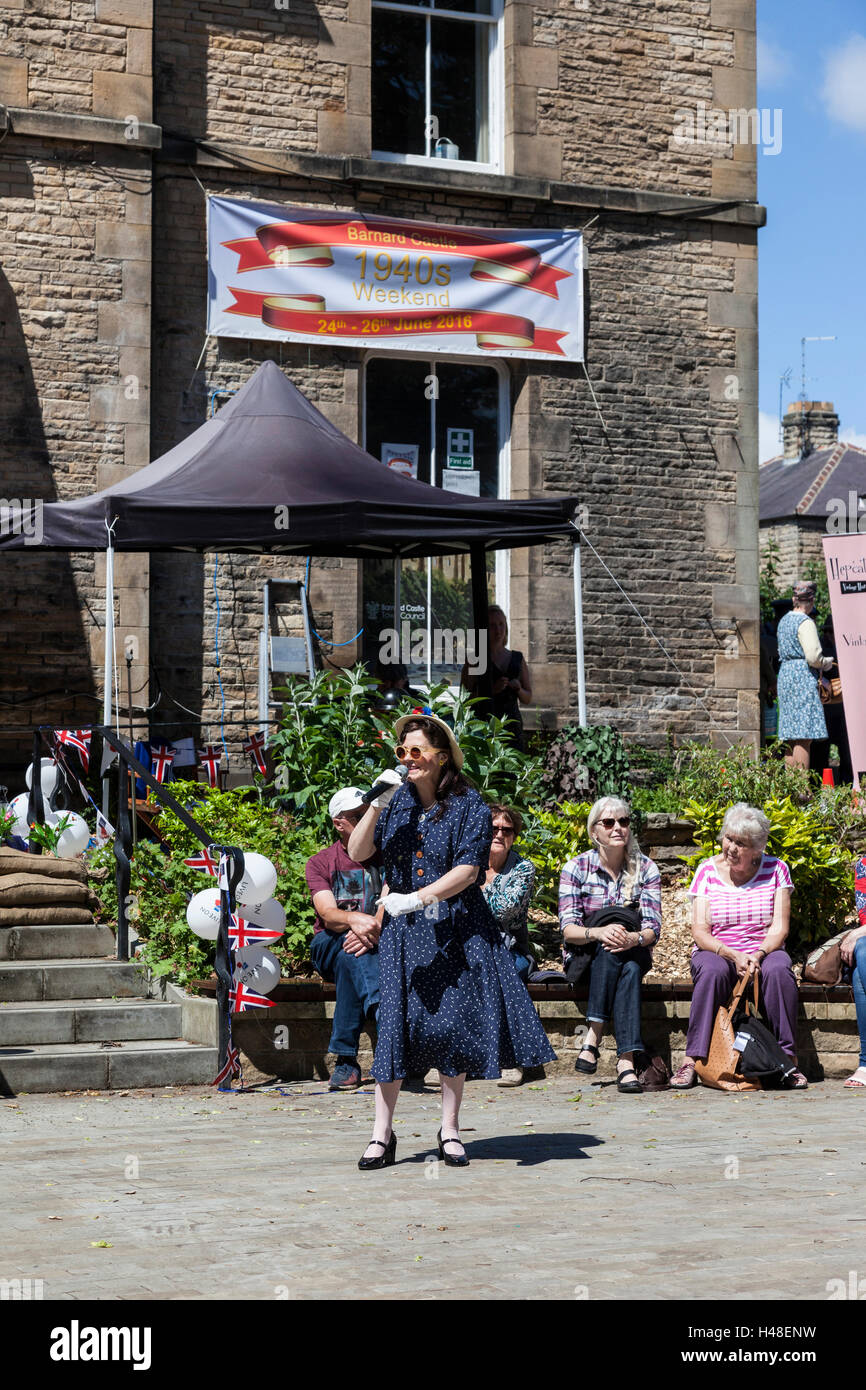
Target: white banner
point(297, 275)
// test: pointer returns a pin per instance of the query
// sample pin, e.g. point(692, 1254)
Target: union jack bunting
point(231, 1068)
point(210, 758)
point(203, 860)
point(162, 757)
point(78, 739)
point(241, 998)
point(242, 933)
point(255, 749)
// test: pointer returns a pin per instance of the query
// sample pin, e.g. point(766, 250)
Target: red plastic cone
point(827, 777)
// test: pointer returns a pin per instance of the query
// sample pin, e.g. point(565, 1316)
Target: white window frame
point(495, 87)
point(502, 558)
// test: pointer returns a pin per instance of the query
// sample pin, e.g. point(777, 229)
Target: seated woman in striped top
point(741, 913)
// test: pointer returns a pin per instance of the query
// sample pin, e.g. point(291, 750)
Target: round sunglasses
point(404, 751)
point(610, 821)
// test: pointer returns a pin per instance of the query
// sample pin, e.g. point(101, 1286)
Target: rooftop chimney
point(809, 425)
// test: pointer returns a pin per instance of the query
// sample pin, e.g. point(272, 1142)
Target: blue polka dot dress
point(801, 714)
point(450, 995)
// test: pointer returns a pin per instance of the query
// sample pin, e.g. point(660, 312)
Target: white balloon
point(270, 913)
point(49, 776)
point(203, 914)
point(259, 880)
point(18, 807)
point(76, 836)
point(257, 967)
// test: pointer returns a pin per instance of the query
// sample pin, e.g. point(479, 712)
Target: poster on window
point(300, 275)
point(401, 458)
point(845, 558)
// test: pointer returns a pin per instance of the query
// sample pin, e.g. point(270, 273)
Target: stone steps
point(56, 943)
point(74, 1018)
point(71, 979)
point(39, 1022)
point(91, 1067)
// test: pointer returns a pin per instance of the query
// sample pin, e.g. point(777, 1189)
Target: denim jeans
point(858, 979)
point(614, 991)
point(357, 981)
point(522, 964)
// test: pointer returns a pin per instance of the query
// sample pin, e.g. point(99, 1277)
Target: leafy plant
point(48, 836)
point(588, 763)
point(702, 773)
point(550, 839)
point(769, 586)
point(808, 841)
point(333, 736)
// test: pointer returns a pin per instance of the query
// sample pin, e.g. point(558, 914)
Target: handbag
point(824, 965)
point(760, 1053)
point(721, 1070)
point(581, 955)
point(653, 1072)
point(830, 690)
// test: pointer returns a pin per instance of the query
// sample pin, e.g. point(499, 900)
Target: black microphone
point(382, 786)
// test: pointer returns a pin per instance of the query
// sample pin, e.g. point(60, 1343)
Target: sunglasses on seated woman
point(610, 821)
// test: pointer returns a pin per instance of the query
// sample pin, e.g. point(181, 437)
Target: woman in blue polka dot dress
point(450, 995)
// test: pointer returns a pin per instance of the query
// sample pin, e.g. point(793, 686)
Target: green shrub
point(161, 884)
point(332, 736)
point(550, 839)
point(821, 864)
point(585, 763)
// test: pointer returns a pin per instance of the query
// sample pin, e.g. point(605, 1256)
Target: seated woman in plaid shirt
point(613, 873)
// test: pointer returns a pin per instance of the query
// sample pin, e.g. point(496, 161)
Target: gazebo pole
point(108, 666)
point(578, 634)
point(480, 616)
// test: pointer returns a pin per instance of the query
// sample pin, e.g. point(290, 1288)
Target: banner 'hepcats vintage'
point(301, 275)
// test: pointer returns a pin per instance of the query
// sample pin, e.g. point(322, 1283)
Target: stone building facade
point(120, 115)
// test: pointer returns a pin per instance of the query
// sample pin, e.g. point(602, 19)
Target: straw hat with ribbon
point(427, 713)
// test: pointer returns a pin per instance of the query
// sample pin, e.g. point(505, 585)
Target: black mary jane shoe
point(385, 1158)
point(452, 1160)
point(628, 1088)
point(589, 1067)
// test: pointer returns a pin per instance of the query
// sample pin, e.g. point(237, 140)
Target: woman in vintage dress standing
point(450, 995)
point(801, 715)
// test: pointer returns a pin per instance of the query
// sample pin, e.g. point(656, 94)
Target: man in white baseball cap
point(345, 942)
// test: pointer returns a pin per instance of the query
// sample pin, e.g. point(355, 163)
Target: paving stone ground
point(202, 1195)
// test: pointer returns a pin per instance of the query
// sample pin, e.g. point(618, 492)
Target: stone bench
point(291, 1040)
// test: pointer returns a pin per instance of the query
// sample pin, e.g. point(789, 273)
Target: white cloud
point(852, 436)
point(774, 64)
point(844, 89)
point(768, 436)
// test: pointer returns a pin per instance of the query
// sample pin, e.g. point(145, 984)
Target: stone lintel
point(60, 125)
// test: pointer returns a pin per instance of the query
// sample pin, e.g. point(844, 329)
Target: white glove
point(397, 903)
point(389, 775)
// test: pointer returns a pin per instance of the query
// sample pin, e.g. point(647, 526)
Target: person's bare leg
point(386, 1099)
point(594, 1035)
point(799, 754)
point(452, 1095)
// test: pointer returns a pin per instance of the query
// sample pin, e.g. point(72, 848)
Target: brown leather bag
point(824, 964)
point(830, 690)
point(721, 1069)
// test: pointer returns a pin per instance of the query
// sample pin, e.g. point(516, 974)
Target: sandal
point(684, 1077)
point(589, 1067)
point(795, 1081)
point(628, 1088)
point(854, 1083)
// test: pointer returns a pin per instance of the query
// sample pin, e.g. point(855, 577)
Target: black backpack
point(760, 1054)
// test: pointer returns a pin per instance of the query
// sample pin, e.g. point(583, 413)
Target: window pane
point(398, 82)
point(464, 6)
point(469, 399)
point(458, 97)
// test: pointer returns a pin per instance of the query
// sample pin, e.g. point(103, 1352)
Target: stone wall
point(799, 544)
point(592, 96)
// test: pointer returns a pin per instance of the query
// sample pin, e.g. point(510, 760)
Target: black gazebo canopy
point(270, 473)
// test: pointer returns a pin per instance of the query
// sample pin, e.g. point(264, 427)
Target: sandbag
point(12, 861)
point(45, 917)
point(28, 890)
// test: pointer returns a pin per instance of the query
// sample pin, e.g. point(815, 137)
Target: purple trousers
point(714, 979)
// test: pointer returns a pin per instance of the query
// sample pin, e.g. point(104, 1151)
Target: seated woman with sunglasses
point(449, 994)
point(616, 949)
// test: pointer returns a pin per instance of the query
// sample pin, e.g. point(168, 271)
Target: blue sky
point(812, 66)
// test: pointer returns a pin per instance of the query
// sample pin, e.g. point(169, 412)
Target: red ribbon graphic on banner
point(308, 244)
point(306, 313)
